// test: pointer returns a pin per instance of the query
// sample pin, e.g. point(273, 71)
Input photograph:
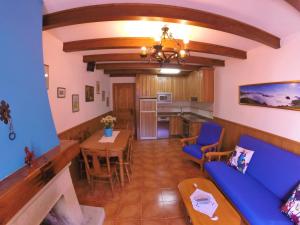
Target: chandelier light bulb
point(143, 51)
point(182, 53)
point(186, 41)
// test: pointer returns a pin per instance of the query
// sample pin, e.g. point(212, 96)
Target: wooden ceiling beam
point(124, 66)
point(294, 3)
point(134, 57)
point(158, 12)
point(138, 42)
point(139, 71)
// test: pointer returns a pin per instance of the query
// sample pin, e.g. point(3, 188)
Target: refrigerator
point(148, 118)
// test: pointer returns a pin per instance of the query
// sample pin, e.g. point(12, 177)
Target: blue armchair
point(209, 140)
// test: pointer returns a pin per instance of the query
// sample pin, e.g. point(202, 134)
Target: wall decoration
point(46, 73)
point(97, 87)
point(75, 103)
point(107, 101)
point(282, 95)
point(103, 96)
point(61, 92)
point(89, 93)
point(6, 118)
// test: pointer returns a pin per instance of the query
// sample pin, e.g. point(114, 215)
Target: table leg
point(120, 157)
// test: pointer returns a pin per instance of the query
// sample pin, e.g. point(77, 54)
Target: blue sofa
point(258, 194)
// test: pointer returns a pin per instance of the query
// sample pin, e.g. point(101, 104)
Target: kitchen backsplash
point(201, 109)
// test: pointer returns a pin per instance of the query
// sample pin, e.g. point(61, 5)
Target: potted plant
point(108, 122)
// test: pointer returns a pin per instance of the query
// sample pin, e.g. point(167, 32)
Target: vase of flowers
point(108, 122)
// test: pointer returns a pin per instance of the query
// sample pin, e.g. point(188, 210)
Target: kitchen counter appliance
point(164, 97)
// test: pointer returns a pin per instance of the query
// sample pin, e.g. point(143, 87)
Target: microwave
point(164, 97)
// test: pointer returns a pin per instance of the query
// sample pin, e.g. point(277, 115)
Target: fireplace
point(58, 198)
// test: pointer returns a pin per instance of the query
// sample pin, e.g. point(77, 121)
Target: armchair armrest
point(189, 140)
point(209, 147)
point(218, 155)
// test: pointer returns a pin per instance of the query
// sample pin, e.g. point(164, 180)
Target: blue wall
point(22, 83)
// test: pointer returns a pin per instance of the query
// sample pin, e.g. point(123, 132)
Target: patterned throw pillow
point(240, 159)
point(292, 207)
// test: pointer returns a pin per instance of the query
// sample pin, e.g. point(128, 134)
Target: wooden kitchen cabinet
point(175, 126)
point(146, 86)
point(200, 84)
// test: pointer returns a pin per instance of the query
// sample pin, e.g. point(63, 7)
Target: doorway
point(124, 105)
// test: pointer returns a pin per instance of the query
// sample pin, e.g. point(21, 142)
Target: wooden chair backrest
point(129, 150)
point(94, 166)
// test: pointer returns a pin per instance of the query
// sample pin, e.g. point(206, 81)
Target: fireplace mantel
point(17, 189)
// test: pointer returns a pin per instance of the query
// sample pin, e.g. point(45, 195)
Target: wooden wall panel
point(233, 131)
point(83, 130)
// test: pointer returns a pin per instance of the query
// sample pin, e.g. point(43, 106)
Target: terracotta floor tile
point(127, 222)
point(154, 222)
point(152, 197)
point(129, 211)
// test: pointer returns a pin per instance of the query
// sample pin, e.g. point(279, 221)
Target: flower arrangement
point(108, 121)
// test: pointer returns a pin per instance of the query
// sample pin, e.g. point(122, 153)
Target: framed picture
point(75, 103)
point(97, 87)
point(89, 93)
point(46, 74)
point(107, 101)
point(281, 95)
point(103, 96)
point(61, 92)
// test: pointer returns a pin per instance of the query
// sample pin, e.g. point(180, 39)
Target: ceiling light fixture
point(167, 49)
point(169, 71)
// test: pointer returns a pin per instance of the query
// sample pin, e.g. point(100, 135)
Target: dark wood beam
point(122, 75)
point(158, 12)
point(138, 42)
point(144, 71)
point(141, 66)
point(134, 57)
point(294, 3)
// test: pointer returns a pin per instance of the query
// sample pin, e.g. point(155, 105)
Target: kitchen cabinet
point(194, 129)
point(148, 118)
point(175, 127)
point(199, 84)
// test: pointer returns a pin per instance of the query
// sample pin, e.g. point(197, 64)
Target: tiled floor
point(152, 197)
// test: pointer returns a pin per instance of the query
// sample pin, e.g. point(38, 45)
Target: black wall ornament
point(5, 117)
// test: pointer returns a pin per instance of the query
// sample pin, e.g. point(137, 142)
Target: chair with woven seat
point(209, 140)
point(97, 169)
point(128, 158)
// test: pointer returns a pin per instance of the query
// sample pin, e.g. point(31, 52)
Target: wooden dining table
point(116, 149)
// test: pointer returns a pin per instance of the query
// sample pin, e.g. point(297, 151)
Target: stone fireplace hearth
point(58, 194)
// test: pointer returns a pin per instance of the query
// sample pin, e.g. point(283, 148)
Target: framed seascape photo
point(281, 95)
point(75, 103)
point(103, 96)
point(89, 93)
point(97, 87)
point(61, 92)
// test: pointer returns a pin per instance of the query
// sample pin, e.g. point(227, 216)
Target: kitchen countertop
point(191, 117)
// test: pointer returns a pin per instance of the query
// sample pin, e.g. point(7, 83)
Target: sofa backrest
point(277, 169)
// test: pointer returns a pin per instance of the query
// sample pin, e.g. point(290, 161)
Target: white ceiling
point(274, 16)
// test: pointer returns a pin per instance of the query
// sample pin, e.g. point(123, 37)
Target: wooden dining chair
point(99, 169)
point(127, 162)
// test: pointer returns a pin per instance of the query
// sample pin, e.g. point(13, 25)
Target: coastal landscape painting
point(283, 95)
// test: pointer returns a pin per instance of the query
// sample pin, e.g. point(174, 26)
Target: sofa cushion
point(240, 159)
point(292, 207)
point(209, 133)
point(193, 150)
point(257, 204)
point(277, 169)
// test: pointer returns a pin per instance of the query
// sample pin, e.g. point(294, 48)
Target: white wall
point(67, 70)
point(264, 64)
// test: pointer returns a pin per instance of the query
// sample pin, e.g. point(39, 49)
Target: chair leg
point(127, 172)
point(202, 165)
point(117, 177)
point(111, 185)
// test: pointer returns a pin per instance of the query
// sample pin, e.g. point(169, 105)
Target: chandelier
point(166, 50)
